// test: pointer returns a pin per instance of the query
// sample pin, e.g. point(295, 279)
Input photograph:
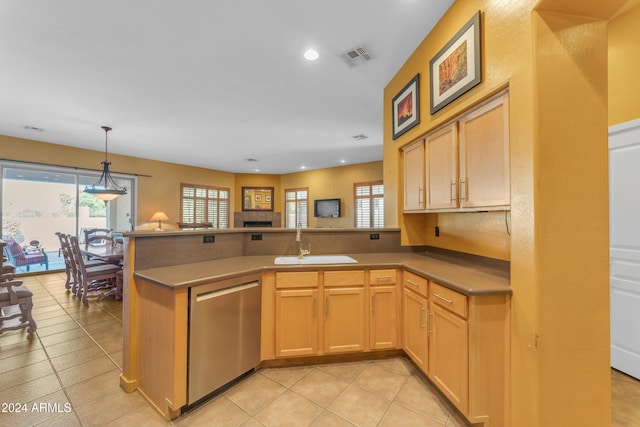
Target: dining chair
point(15, 302)
point(98, 237)
point(20, 257)
point(92, 281)
point(71, 281)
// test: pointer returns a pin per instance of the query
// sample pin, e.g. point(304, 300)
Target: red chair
point(24, 258)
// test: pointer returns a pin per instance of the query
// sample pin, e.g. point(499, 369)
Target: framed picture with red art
point(405, 107)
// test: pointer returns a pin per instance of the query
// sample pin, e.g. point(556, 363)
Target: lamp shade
point(159, 216)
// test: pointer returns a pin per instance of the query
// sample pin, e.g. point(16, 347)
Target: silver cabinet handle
point(429, 331)
point(384, 277)
point(440, 297)
point(463, 189)
point(420, 190)
point(421, 311)
point(410, 282)
point(454, 196)
point(373, 304)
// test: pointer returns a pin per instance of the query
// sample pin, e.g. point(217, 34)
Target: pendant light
point(105, 188)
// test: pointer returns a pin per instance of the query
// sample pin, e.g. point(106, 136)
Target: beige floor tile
point(381, 381)
point(219, 412)
point(63, 337)
point(396, 365)
point(252, 422)
point(359, 406)
point(400, 416)
point(62, 420)
point(328, 419)
point(94, 388)
point(117, 356)
point(145, 416)
point(289, 410)
point(110, 407)
point(23, 343)
point(286, 376)
point(254, 393)
point(69, 346)
point(421, 397)
point(22, 360)
point(85, 371)
point(320, 387)
point(76, 358)
point(625, 414)
point(43, 323)
point(31, 390)
point(25, 374)
point(110, 345)
point(345, 371)
point(457, 420)
point(45, 331)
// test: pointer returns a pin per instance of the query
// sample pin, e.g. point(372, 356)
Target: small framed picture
point(258, 197)
point(405, 107)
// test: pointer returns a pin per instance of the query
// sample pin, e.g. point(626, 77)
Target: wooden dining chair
point(93, 281)
point(98, 237)
point(15, 302)
point(71, 275)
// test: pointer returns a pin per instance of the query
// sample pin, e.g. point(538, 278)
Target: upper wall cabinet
point(484, 156)
point(466, 163)
point(414, 188)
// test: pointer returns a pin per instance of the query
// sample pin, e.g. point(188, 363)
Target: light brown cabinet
point(415, 317)
point(344, 311)
point(484, 155)
point(296, 314)
point(465, 165)
point(383, 310)
point(449, 344)
point(414, 177)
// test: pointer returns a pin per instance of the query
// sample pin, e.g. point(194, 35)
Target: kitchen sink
point(315, 259)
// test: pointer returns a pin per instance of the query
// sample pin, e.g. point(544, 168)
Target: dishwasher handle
point(226, 291)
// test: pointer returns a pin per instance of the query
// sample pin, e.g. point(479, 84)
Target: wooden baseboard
point(331, 358)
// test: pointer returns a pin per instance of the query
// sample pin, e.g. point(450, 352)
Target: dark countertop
point(460, 275)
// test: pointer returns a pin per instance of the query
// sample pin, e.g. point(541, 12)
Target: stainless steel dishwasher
point(224, 334)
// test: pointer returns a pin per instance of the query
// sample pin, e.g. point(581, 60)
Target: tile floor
point(67, 374)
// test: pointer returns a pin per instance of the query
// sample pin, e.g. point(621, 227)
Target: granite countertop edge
point(467, 278)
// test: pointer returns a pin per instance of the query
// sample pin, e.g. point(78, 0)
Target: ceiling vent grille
point(356, 56)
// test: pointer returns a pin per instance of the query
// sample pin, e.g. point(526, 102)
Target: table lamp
point(159, 216)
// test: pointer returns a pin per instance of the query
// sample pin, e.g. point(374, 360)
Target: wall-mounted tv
point(326, 208)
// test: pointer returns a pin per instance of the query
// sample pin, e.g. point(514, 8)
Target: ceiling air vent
point(356, 56)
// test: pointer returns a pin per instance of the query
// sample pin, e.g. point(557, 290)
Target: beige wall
point(333, 183)
point(552, 54)
point(160, 189)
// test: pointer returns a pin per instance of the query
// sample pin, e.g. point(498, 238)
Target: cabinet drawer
point(297, 279)
point(449, 299)
point(382, 277)
point(416, 283)
point(344, 278)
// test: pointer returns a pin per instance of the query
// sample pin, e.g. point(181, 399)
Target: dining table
point(113, 254)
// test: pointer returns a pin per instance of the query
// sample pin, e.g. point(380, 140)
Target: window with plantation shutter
point(201, 204)
point(296, 207)
point(368, 204)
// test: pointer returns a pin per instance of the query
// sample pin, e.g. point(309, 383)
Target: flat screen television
point(326, 208)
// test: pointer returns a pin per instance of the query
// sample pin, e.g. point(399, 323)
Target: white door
point(624, 251)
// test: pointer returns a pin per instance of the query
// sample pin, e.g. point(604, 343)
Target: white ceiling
point(207, 83)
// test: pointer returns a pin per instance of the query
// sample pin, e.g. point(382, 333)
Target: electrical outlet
point(208, 238)
point(256, 236)
point(374, 236)
point(437, 231)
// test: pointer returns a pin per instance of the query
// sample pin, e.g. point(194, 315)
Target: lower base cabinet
point(344, 320)
point(414, 328)
point(299, 337)
point(449, 355)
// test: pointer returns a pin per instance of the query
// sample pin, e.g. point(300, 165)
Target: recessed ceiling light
point(343, 161)
point(303, 167)
point(311, 55)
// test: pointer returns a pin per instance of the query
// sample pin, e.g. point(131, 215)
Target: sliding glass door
point(39, 200)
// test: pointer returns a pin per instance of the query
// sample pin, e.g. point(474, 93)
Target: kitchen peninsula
point(448, 312)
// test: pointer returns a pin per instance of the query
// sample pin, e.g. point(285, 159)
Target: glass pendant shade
point(105, 188)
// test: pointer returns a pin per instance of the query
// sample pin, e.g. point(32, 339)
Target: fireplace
point(256, 219)
point(257, 224)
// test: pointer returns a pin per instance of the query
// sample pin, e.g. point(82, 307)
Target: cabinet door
point(344, 317)
point(296, 322)
point(415, 328)
point(442, 168)
point(414, 197)
point(484, 156)
point(449, 355)
point(383, 317)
